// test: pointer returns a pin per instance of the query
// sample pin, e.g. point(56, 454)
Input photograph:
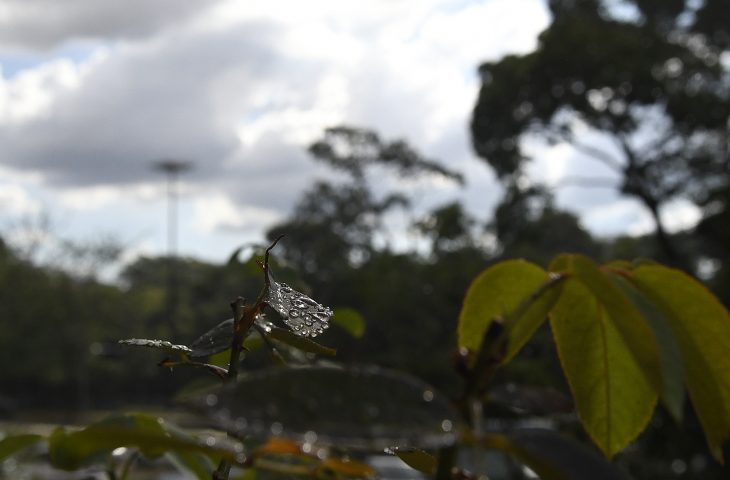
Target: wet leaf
point(303, 315)
point(157, 344)
point(701, 326)
point(496, 293)
point(356, 407)
point(215, 340)
point(13, 444)
point(301, 343)
point(612, 395)
point(553, 456)
point(417, 459)
point(70, 450)
point(350, 320)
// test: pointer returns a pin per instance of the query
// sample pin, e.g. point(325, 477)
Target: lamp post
point(172, 168)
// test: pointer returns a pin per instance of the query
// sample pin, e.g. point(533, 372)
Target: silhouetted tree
point(652, 84)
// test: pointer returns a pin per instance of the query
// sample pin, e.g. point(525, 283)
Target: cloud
point(241, 89)
point(43, 24)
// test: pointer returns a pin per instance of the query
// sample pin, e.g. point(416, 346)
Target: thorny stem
point(243, 319)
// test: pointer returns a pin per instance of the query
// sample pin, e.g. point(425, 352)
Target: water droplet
point(307, 447)
point(310, 436)
point(211, 399)
point(427, 395)
point(276, 428)
point(210, 441)
point(446, 425)
point(241, 458)
point(293, 313)
point(118, 452)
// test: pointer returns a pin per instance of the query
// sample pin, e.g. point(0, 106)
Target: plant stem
point(243, 319)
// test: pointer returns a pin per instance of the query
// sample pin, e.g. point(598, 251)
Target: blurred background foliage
point(648, 78)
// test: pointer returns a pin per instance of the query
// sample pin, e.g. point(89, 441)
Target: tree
point(652, 86)
point(339, 221)
point(527, 224)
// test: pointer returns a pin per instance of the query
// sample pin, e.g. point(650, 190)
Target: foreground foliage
point(628, 335)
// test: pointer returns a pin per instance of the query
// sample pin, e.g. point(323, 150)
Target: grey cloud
point(146, 103)
point(43, 24)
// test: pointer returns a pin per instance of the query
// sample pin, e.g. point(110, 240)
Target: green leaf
point(215, 340)
point(612, 395)
point(496, 293)
point(350, 320)
point(553, 456)
point(628, 322)
point(198, 465)
point(358, 407)
point(304, 344)
point(672, 394)
point(70, 450)
point(701, 326)
point(417, 459)
point(157, 344)
point(13, 444)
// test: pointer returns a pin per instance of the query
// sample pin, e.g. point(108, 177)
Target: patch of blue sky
point(13, 63)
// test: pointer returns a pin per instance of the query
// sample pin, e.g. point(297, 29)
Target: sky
point(92, 92)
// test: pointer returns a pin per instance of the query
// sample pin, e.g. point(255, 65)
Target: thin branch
point(597, 154)
point(588, 182)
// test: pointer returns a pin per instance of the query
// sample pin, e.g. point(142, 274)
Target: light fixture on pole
point(172, 169)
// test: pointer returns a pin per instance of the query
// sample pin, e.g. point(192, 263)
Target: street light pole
point(172, 169)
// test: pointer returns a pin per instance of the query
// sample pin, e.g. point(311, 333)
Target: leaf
point(215, 340)
point(301, 343)
point(348, 468)
point(701, 326)
point(350, 320)
point(497, 292)
point(553, 456)
point(612, 395)
point(634, 330)
point(417, 459)
point(157, 344)
point(13, 444)
point(278, 446)
point(672, 394)
point(357, 407)
point(70, 450)
point(198, 465)
point(300, 313)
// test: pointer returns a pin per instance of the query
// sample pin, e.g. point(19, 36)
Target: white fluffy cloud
point(240, 88)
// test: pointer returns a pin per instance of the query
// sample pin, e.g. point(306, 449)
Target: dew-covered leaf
point(349, 320)
point(69, 450)
point(613, 397)
point(553, 456)
point(157, 344)
point(300, 343)
point(701, 326)
point(417, 459)
point(215, 340)
point(356, 407)
point(300, 313)
point(13, 444)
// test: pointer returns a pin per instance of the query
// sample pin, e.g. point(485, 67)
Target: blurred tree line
point(639, 86)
